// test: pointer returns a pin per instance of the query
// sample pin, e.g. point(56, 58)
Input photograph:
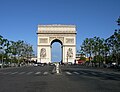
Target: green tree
point(87, 48)
point(118, 21)
point(4, 49)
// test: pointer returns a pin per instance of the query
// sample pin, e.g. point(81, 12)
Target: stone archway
point(47, 34)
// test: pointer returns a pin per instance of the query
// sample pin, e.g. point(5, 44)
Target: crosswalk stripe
point(29, 73)
point(45, 73)
point(1, 72)
point(14, 73)
point(68, 73)
point(93, 73)
point(7, 73)
point(76, 73)
point(83, 72)
point(21, 73)
point(37, 73)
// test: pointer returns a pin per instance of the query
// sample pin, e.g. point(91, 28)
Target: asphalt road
point(71, 79)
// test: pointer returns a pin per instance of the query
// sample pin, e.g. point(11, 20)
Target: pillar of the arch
point(61, 54)
point(67, 59)
point(47, 58)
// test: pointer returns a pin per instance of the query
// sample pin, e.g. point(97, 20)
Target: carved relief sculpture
point(43, 53)
point(70, 52)
point(43, 40)
point(69, 40)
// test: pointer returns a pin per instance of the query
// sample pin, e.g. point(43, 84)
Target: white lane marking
point(93, 73)
point(2, 73)
point(68, 73)
point(83, 73)
point(45, 73)
point(7, 73)
point(29, 73)
point(21, 73)
point(76, 73)
point(14, 73)
point(38, 73)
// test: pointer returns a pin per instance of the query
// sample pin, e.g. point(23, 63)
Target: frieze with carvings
point(56, 31)
point(69, 40)
point(43, 40)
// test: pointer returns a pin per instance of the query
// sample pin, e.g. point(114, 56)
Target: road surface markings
point(14, 73)
point(68, 73)
point(94, 73)
point(29, 73)
point(76, 73)
point(83, 73)
point(45, 73)
point(38, 73)
point(21, 73)
point(26, 73)
point(7, 73)
point(1, 72)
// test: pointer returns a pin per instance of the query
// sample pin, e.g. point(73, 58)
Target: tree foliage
point(103, 50)
point(14, 51)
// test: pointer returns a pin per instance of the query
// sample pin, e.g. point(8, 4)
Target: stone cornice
point(56, 29)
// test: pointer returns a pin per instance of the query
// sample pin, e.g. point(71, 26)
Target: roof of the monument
point(56, 25)
point(59, 28)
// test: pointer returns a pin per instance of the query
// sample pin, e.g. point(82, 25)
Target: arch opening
point(56, 51)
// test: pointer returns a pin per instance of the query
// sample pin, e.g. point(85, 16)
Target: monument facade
point(64, 34)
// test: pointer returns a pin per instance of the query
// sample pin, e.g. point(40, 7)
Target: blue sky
point(19, 18)
point(56, 52)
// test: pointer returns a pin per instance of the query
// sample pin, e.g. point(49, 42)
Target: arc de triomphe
point(64, 34)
